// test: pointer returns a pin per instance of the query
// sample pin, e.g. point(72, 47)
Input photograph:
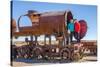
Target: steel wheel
point(65, 54)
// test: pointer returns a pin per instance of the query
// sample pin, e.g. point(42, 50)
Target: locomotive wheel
point(65, 54)
point(37, 52)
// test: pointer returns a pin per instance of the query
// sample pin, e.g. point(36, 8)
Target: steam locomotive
point(48, 24)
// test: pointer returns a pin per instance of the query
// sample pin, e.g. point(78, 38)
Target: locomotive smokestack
point(32, 11)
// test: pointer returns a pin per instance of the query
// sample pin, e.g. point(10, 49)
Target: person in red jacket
point(77, 30)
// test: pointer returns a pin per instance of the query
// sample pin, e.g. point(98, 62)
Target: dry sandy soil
point(84, 59)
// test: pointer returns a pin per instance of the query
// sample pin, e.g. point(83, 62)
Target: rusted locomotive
point(49, 23)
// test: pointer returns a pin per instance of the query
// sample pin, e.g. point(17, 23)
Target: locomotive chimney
point(34, 17)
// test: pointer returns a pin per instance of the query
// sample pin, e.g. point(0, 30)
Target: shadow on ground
point(42, 61)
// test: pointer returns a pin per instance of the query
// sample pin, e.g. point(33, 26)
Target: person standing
point(70, 31)
point(77, 30)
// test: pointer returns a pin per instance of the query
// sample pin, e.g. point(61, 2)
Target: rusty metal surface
point(45, 23)
point(13, 25)
point(52, 22)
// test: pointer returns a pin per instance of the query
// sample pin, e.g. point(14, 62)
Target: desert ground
point(84, 59)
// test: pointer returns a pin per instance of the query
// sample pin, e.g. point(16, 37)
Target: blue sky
point(86, 12)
